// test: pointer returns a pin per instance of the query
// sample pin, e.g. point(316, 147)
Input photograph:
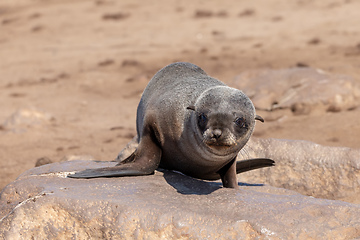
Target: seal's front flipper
point(143, 161)
point(228, 175)
point(117, 171)
point(251, 164)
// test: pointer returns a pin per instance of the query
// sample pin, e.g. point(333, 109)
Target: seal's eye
point(202, 120)
point(241, 122)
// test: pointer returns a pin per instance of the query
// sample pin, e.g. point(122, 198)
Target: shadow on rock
point(250, 184)
point(188, 185)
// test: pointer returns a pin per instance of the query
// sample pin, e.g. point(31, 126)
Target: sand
point(72, 72)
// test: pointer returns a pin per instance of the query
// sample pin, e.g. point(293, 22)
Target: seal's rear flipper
point(251, 164)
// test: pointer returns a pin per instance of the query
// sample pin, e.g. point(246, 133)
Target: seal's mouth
point(213, 142)
point(219, 146)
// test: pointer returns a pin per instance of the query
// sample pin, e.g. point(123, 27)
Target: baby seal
point(192, 123)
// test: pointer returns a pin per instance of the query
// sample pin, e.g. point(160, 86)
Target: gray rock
point(43, 204)
point(127, 150)
point(24, 118)
point(43, 161)
point(303, 90)
point(308, 168)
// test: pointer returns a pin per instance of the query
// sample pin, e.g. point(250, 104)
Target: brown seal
point(189, 122)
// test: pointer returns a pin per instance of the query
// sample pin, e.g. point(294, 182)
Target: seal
point(192, 123)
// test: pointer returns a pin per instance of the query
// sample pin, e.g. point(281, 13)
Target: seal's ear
point(257, 117)
point(191, 108)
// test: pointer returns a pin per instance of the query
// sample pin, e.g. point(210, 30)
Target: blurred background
point(72, 71)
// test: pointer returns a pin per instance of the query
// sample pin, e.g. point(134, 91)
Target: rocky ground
point(43, 204)
point(72, 72)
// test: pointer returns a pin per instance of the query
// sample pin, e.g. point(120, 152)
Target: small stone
point(43, 161)
point(27, 117)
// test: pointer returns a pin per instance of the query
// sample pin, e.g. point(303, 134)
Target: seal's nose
point(217, 133)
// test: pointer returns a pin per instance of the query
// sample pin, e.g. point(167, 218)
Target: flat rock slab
point(307, 167)
point(43, 204)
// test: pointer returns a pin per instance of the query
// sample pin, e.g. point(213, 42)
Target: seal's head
point(225, 119)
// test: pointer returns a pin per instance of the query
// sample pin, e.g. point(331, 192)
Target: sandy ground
point(81, 66)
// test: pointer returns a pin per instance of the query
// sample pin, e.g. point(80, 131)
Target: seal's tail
point(254, 163)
